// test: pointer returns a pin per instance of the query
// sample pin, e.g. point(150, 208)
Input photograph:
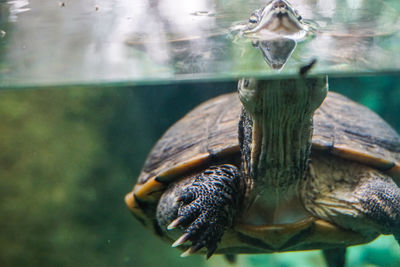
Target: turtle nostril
point(279, 4)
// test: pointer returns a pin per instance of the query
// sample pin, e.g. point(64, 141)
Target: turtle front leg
point(380, 200)
point(203, 206)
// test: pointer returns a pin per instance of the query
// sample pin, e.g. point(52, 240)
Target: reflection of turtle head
point(278, 16)
point(276, 51)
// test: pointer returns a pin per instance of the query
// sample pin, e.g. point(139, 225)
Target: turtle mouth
point(280, 21)
point(278, 18)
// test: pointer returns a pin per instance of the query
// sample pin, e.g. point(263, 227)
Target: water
point(135, 42)
point(69, 156)
point(73, 141)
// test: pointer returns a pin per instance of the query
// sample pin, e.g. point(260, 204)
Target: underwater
point(88, 88)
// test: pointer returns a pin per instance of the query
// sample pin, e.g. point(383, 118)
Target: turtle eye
point(299, 18)
point(253, 19)
point(246, 83)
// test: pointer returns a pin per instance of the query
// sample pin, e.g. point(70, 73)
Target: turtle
point(282, 165)
point(355, 155)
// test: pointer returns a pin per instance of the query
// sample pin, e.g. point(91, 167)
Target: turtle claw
point(193, 249)
point(210, 253)
point(182, 239)
point(175, 223)
point(189, 252)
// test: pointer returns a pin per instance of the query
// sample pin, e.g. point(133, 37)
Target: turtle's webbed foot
point(207, 207)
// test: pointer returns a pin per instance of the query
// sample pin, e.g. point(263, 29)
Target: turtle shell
point(208, 135)
point(354, 132)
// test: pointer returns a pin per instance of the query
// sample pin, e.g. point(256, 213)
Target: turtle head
point(278, 16)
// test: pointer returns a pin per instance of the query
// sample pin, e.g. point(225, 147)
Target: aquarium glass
point(88, 86)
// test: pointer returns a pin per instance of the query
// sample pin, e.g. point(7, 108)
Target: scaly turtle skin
point(276, 171)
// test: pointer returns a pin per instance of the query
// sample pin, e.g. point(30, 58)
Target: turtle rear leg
point(203, 206)
point(335, 257)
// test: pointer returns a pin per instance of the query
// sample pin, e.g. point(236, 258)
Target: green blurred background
point(68, 156)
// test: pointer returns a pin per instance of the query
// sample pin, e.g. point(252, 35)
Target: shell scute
point(352, 131)
point(204, 133)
